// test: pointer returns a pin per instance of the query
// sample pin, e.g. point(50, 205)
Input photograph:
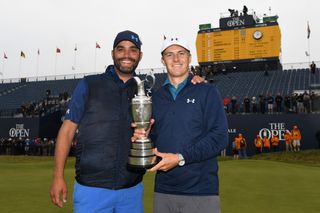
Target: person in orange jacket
point(266, 144)
point(258, 144)
point(288, 140)
point(275, 142)
point(296, 138)
point(241, 146)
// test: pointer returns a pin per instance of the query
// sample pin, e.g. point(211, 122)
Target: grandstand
point(254, 83)
point(239, 84)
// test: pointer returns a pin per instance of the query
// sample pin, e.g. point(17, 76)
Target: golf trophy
point(141, 152)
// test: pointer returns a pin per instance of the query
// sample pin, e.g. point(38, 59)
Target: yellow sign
point(239, 44)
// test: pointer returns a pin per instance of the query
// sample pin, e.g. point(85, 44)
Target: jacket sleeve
point(215, 137)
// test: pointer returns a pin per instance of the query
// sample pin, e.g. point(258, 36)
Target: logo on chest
point(191, 100)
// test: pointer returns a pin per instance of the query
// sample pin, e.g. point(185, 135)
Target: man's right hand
point(139, 133)
point(59, 192)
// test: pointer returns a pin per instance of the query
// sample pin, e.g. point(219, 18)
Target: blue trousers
point(88, 199)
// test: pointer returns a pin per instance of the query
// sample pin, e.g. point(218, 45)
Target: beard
point(125, 70)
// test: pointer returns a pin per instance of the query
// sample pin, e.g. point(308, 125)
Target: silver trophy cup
point(141, 152)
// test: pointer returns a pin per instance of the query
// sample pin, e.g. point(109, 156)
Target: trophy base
point(142, 162)
point(141, 155)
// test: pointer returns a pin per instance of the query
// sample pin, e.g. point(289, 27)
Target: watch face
point(181, 163)
point(257, 34)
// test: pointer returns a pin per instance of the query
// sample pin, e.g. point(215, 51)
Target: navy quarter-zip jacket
point(195, 125)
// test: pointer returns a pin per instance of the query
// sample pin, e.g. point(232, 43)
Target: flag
point(308, 30)
point(5, 56)
point(38, 52)
point(58, 50)
point(307, 54)
point(22, 55)
point(75, 48)
point(97, 45)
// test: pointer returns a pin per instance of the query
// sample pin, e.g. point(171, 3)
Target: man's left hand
point(197, 80)
point(168, 161)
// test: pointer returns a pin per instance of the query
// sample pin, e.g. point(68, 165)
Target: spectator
point(313, 67)
point(245, 10)
point(246, 102)
point(287, 104)
point(275, 143)
point(296, 138)
point(300, 103)
point(288, 140)
point(294, 103)
point(226, 103)
point(266, 144)
point(306, 102)
point(258, 144)
point(241, 146)
point(235, 150)
point(233, 104)
point(262, 103)
point(254, 105)
point(270, 101)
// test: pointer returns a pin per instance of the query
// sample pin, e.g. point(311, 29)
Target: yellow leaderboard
point(239, 44)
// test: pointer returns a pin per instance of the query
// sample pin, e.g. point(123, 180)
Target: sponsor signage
point(267, 125)
point(19, 131)
point(19, 127)
point(237, 21)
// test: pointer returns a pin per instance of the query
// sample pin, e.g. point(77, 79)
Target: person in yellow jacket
point(296, 138)
point(288, 140)
point(275, 143)
point(258, 144)
point(266, 144)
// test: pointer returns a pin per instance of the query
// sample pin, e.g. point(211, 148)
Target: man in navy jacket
point(190, 129)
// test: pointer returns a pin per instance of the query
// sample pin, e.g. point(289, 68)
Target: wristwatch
point(181, 160)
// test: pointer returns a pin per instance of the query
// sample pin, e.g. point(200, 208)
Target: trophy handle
point(153, 81)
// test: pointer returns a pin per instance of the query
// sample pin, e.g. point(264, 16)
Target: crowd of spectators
point(31, 147)
point(42, 107)
point(295, 103)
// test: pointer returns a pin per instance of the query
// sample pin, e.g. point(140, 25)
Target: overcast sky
point(29, 25)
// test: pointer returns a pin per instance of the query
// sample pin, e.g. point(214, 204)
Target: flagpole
point(37, 73)
point(75, 57)
point(2, 68)
point(95, 58)
point(19, 75)
point(309, 50)
point(308, 29)
point(55, 66)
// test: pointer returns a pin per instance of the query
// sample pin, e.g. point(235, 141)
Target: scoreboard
point(231, 45)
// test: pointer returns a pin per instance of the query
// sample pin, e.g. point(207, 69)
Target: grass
point(275, 182)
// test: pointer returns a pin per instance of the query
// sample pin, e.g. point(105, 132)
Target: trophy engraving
point(141, 152)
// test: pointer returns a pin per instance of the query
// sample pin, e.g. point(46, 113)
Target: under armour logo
point(134, 38)
point(191, 100)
